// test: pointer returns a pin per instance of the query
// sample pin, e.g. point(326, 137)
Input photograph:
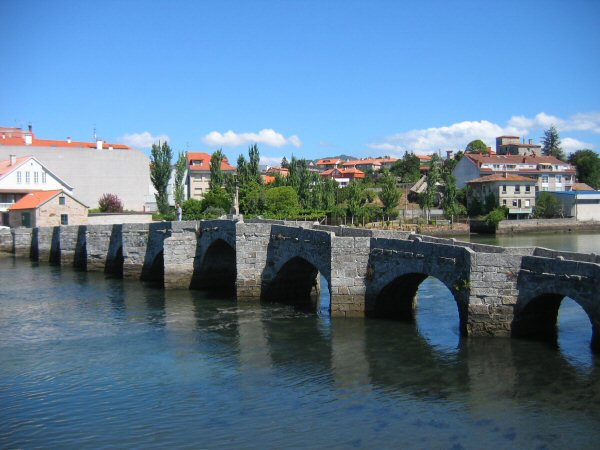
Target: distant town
point(47, 182)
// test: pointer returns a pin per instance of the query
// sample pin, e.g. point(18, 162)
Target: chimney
point(99, 144)
point(13, 160)
point(530, 141)
point(69, 140)
point(28, 139)
point(30, 128)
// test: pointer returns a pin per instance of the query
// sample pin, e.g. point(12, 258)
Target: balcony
point(4, 206)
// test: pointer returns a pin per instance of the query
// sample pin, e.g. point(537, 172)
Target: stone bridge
point(498, 291)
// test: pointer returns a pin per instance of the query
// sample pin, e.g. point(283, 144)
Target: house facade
point(22, 175)
point(515, 192)
point(512, 145)
point(343, 177)
point(47, 209)
point(328, 164)
point(373, 164)
point(550, 173)
point(92, 168)
point(199, 173)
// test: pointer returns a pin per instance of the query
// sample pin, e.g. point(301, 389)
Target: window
point(43, 177)
point(517, 189)
point(19, 178)
point(36, 178)
point(514, 203)
point(64, 219)
point(27, 177)
point(527, 188)
point(527, 203)
point(559, 178)
point(544, 178)
point(62, 200)
point(544, 189)
point(504, 189)
point(504, 202)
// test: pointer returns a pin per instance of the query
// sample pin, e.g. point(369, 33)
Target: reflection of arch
point(216, 269)
point(295, 283)
point(536, 317)
point(399, 297)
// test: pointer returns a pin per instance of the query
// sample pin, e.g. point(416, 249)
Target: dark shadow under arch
point(538, 319)
point(296, 283)
point(216, 272)
point(398, 300)
point(156, 273)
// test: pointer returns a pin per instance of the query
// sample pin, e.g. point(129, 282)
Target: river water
point(92, 362)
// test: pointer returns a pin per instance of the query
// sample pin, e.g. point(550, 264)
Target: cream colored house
point(47, 209)
point(516, 192)
point(199, 173)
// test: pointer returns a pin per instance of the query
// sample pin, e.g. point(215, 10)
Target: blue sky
point(309, 78)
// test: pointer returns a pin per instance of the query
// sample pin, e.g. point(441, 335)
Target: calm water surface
point(91, 362)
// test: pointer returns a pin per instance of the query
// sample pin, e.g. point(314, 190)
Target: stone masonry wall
point(252, 241)
point(349, 261)
point(179, 254)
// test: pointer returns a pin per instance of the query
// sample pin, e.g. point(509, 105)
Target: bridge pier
point(103, 242)
point(251, 242)
point(73, 249)
point(349, 262)
point(22, 242)
point(179, 255)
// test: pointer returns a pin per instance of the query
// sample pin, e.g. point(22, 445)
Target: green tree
point(282, 202)
point(477, 146)
point(252, 198)
point(160, 173)
point(551, 144)
point(451, 204)
point(587, 163)
point(355, 198)
point(408, 168)
point(495, 216)
point(217, 198)
point(254, 164)
point(547, 206)
point(390, 194)
point(192, 209)
point(180, 170)
point(242, 171)
point(434, 176)
point(217, 178)
point(284, 163)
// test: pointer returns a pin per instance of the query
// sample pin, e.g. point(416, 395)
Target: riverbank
point(546, 225)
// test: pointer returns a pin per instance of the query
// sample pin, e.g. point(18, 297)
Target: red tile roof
point(268, 179)
point(19, 140)
point(204, 159)
point(350, 173)
point(501, 177)
point(6, 167)
point(514, 159)
point(328, 161)
point(34, 199)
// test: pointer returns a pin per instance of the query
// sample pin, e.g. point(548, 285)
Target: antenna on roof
point(95, 137)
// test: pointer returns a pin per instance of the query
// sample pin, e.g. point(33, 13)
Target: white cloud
point(267, 137)
point(271, 161)
point(452, 137)
point(143, 140)
point(542, 121)
point(458, 135)
point(570, 145)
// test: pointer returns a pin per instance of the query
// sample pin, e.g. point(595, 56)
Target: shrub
point(496, 216)
point(110, 203)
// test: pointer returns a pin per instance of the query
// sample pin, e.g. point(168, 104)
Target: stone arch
point(215, 268)
point(295, 282)
point(536, 314)
point(398, 298)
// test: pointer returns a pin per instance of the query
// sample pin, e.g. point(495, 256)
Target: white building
point(92, 168)
point(583, 205)
point(24, 175)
